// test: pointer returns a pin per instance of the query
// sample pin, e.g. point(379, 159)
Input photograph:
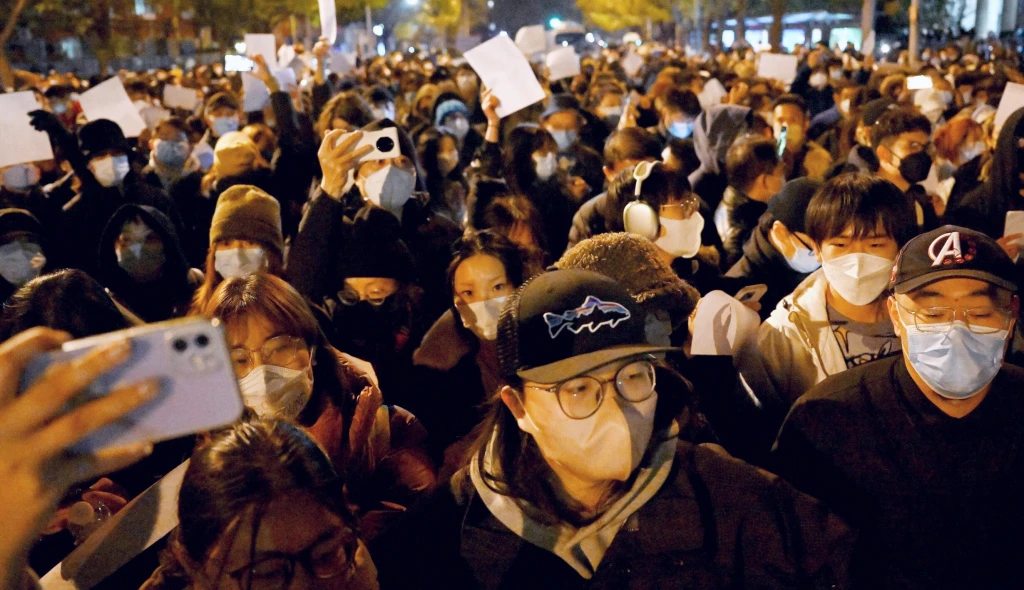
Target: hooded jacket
point(796, 346)
point(165, 298)
point(21, 221)
point(762, 263)
point(984, 209)
point(713, 134)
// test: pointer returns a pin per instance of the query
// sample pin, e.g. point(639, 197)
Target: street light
point(412, 2)
point(378, 30)
point(555, 22)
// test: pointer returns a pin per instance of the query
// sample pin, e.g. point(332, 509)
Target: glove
point(47, 122)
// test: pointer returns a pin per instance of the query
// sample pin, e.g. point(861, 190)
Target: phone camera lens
point(385, 144)
point(202, 340)
point(180, 345)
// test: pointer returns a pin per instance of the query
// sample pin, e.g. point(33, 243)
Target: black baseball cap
point(949, 252)
point(564, 323)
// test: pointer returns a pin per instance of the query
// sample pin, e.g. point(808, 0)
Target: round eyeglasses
point(580, 397)
point(325, 560)
point(980, 320)
point(280, 351)
point(375, 297)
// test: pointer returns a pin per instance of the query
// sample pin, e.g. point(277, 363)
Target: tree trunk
point(912, 51)
point(775, 32)
point(6, 73)
point(867, 19)
point(741, 22)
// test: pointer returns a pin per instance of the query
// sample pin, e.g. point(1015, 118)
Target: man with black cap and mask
point(779, 253)
point(923, 451)
point(101, 159)
point(902, 142)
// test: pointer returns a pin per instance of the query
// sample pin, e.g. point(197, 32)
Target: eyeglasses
point(689, 205)
point(376, 297)
point(280, 351)
point(580, 397)
point(329, 559)
point(980, 320)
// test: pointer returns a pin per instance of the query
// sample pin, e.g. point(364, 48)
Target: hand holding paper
point(110, 101)
point(503, 68)
point(21, 143)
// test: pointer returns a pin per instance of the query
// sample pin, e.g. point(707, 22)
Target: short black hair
point(749, 157)
point(631, 143)
point(792, 99)
point(684, 101)
point(657, 189)
point(896, 122)
point(862, 201)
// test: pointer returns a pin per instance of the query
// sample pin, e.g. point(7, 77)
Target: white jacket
point(796, 348)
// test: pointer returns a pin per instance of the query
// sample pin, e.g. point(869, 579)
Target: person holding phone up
point(36, 464)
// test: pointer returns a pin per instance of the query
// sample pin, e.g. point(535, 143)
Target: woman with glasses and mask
point(260, 508)
point(286, 369)
point(578, 478)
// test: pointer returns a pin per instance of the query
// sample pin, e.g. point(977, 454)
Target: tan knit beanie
point(633, 261)
point(235, 154)
point(245, 212)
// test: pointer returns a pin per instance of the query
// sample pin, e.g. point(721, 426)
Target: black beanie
point(376, 248)
point(101, 135)
point(790, 205)
point(14, 221)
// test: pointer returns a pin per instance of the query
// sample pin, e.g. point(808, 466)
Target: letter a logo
point(950, 251)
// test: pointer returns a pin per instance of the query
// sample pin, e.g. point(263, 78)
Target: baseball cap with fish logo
point(565, 323)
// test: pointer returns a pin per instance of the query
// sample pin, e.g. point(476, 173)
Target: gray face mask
point(20, 262)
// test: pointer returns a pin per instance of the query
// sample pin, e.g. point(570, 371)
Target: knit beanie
point(633, 261)
point(789, 206)
point(376, 248)
point(449, 107)
point(99, 136)
point(245, 212)
point(234, 154)
point(19, 221)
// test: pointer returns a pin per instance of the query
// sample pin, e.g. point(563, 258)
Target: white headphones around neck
point(638, 217)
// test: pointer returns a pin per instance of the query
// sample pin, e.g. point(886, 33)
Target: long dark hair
point(489, 243)
point(523, 141)
point(246, 465)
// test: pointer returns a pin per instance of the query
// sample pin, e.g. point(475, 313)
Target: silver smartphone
point(190, 358)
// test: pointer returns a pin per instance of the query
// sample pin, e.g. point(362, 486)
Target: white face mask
point(818, 80)
point(609, 112)
point(276, 391)
point(972, 151)
point(682, 236)
point(606, 446)
point(110, 170)
point(385, 112)
point(858, 278)
point(236, 263)
point(482, 317)
point(20, 262)
point(545, 166)
point(459, 127)
point(390, 187)
point(21, 177)
point(447, 162)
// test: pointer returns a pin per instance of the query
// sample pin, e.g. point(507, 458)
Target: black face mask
point(915, 167)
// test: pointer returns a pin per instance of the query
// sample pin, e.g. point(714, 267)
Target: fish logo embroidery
point(608, 313)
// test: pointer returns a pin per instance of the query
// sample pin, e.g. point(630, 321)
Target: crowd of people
point(674, 326)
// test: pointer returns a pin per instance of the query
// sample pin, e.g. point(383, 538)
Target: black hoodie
point(984, 209)
point(713, 134)
point(165, 298)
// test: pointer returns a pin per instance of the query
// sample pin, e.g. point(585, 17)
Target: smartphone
point(190, 358)
point(384, 143)
point(238, 63)
point(782, 140)
point(751, 293)
point(919, 82)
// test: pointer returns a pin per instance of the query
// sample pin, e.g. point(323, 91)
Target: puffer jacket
point(796, 346)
